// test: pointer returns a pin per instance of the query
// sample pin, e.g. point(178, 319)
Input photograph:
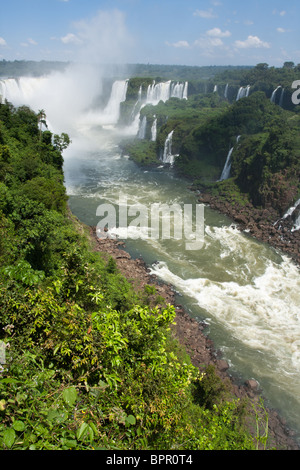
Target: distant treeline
point(20, 68)
point(182, 72)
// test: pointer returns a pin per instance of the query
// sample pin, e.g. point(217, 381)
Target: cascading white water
point(290, 212)
point(273, 96)
point(137, 105)
point(155, 93)
point(168, 157)
point(111, 112)
point(154, 130)
point(281, 97)
point(177, 90)
point(24, 90)
point(215, 88)
point(8, 88)
point(158, 92)
point(165, 90)
point(75, 102)
point(140, 93)
point(296, 224)
point(226, 91)
point(185, 91)
point(243, 92)
point(291, 209)
point(142, 129)
point(227, 167)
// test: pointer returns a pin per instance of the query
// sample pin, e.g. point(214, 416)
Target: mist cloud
point(101, 39)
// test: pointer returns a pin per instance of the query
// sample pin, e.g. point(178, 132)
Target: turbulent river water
point(247, 293)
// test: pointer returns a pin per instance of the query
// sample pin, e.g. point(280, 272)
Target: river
point(246, 292)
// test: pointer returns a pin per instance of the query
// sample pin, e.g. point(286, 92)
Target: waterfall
point(133, 112)
point(118, 95)
point(185, 91)
point(177, 90)
point(158, 92)
point(273, 97)
point(8, 88)
point(239, 93)
point(290, 212)
point(227, 167)
point(154, 130)
point(155, 93)
point(165, 90)
point(215, 89)
point(72, 102)
point(226, 91)
point(281, 97)
point(291, 209)
point(140, 93)
point(296, 224)
point(22, 91)
point(243, 92)
point(142, 129)
point(168, 157)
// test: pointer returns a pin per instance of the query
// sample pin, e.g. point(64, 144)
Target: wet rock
point(252, 385)
point(222, 365)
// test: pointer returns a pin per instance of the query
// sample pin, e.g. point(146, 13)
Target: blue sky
point(186, 32)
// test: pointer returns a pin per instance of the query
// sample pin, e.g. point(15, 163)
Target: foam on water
point(263, 313)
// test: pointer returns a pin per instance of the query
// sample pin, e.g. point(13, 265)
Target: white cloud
point(71, 39)
point(216, 32)
point(32, 42)
point(252, 42)
point(212, 39)
point(281, 30)
point(208, 42)
point(178, 44)
point(205, 13)
point(281, 13)
point(2, 42)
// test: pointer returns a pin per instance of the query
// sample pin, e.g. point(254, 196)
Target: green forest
point(89, 362)
point(206, 126)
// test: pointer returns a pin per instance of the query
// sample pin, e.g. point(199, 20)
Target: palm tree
point(41, 120)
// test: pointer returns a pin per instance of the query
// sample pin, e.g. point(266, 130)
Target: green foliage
point(141, 151)
point(61, 142)
point(90, 363)
point(23, 272)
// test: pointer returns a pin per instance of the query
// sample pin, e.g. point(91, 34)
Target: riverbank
point(191, 334)
point(263, 224)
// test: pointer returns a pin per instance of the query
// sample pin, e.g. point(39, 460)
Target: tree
point(41, 120)
point(289, 65)
point(62, 142)
point(262, 66)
